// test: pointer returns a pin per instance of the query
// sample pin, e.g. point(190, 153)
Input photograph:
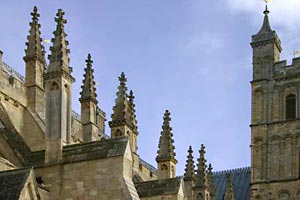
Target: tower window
point(118, 133)
point(290, 106)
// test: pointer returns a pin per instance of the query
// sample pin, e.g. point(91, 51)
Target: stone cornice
point(58, 74)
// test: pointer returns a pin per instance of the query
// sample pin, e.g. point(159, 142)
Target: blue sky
point(192, 57)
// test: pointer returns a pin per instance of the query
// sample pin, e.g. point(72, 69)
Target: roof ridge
point(227, 171)
point(156, 180)
point(24, 169)
point(81, 145)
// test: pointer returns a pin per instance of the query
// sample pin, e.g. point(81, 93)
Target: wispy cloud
point(284, 13)
point(284, 18)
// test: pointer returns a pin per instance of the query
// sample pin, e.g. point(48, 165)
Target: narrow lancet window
point(290, 107)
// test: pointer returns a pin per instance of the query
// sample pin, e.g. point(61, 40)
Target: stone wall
point(106, 178)
point(76, 132)
point(277, 190)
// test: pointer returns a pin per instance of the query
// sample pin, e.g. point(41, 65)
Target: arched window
point(118, 133)
point(173, 171)
point(164, 171)
point(284, 196)
point(290, 106)
point(199, 196)
point(54, 86)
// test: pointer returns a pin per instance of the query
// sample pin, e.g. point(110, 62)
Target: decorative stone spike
point(35, 49)
point(201, 176)
point(210, 181)
point(189, 167)
point(121, 111)
point(166, 148)
point(266, 27)
point(133, 120)
point(35, 67)
point(88, 92)
point(229, 193)
point(59, 57)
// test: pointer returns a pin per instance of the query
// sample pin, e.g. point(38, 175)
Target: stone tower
point(166, 162)
point(35, 63)
point(58, 84)
point(201, 187)
point(89, 104)
point(275, 137)
point(123, 121)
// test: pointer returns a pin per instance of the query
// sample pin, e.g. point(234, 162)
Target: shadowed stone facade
point(49, 152)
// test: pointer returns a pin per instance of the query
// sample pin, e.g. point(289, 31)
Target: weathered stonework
point(275, 139)
point(49, 152)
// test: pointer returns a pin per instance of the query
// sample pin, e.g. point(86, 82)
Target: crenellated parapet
point(282, 70)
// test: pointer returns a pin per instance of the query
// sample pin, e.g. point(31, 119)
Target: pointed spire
point(189, 167)
point(266, 27)
point(133, 120)
point(59, 58)
point(229, 194)
point(210, 181)
point(88, 84)
point(121, 114)
point(35, 49)
point(201, 176)
point(166, 148)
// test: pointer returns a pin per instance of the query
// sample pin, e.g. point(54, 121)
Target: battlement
point(11, 76)
point(282, 69)
point(11, 72)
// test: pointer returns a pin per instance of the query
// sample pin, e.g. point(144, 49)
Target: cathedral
point(49, 152)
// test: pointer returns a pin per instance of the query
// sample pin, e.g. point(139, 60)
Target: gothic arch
point(286, 159)
point(290, 106)
point(164, 167)
point(257, 149)
point(284, 195)
point(199, 196)
point(53, 86)
point(173, 171)
point(274, 162)
point(258, 141)
point(118, 133)
point(258, 105)
point(164, 171)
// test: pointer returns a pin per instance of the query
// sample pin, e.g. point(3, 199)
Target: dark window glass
point(290, 106)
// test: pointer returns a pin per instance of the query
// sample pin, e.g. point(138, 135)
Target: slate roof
point(12, 183)
point(95, 150)
point(158, 187)
point(147, 165)
point(240, 179)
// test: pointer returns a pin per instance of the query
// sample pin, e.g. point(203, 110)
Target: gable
point(159, 187)
point(18, 184)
